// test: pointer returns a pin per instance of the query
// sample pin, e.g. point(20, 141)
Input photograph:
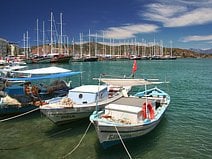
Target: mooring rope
point(123, 143)
point(78, 143)
point(14, 117)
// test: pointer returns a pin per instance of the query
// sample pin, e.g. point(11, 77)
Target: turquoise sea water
point(185, 131)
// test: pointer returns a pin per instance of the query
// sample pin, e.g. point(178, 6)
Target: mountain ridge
point(203, 51)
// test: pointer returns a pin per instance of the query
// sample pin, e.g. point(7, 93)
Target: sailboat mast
point(154, 47)
point(113, 47)
point(61, 32)
point(44, 51)
point(37, 39)
point(51, 30)
point(27, 44)
point(80, 45)
point(138, 44)
point(24, 40)
point(161, 48)
point(125, 50)
point(67, 46)
point(73, 47)
point(96, 46)
point(89, 42)
point(110, 48)
point(135, 50)
point(103, 41)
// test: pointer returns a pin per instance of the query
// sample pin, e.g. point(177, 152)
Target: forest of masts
point(89, 44)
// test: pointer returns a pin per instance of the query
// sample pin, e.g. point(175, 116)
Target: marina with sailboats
point(113, 80)
point(42, 135)
point(59, 50)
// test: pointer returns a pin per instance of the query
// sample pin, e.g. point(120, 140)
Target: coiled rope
point(14, 117)
point(78, 143)
point(123, 143)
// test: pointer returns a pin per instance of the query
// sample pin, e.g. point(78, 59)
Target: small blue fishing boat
point(24, 91)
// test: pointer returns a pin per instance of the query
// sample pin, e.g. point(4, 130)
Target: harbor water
point(185, 131)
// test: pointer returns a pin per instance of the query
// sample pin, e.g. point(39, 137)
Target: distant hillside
point(184, 53)
point(206, 51)
point(117, 50)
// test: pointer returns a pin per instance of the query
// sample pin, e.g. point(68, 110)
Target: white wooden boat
point(80, 103)
point(7, 71)
point(130, 117)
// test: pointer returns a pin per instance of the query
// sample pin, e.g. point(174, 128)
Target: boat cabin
point(88, 94)
point(123, 113)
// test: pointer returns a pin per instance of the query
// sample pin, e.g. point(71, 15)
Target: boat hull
point(63, 59)
point(62, 115)
point(13, 110)
point(108, 135)
point(91, 59)
point(66, 115)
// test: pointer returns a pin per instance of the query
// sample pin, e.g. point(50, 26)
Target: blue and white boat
point(7, 70)
point(25, 90)
point(130, 117)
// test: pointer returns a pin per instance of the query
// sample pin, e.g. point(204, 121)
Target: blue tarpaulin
point(58, 75)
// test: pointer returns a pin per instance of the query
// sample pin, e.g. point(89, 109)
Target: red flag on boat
point(134, 68)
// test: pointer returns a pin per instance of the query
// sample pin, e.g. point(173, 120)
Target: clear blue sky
point(187, 23)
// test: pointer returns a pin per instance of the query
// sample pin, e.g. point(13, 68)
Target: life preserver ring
point(151, 112)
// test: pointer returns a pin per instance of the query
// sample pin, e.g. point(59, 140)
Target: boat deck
point(138, 102)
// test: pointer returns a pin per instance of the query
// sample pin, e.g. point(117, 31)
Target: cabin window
point(80, 96)
point(101, 95)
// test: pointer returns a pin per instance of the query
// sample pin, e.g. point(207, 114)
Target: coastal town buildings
point(3, 47)
point(8, 49)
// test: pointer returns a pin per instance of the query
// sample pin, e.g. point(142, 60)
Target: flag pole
point(134, 68)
